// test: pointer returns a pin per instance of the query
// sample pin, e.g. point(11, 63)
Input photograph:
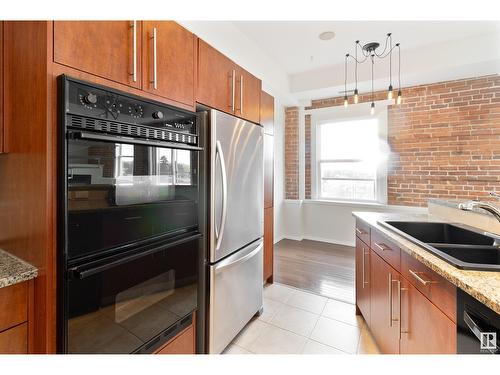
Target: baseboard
point(276, 240)
point(320, 239)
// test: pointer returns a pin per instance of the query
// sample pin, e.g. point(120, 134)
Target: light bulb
point(389, 93)
point(356, 97)
point(372, 109)
point(345, 101)
point(398, 100)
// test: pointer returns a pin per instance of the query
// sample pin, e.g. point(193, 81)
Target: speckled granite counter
point(482, 285)
point(14, 270)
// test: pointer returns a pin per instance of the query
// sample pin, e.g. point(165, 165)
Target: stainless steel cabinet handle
point(241, 94)
point(218, 150)
point(359, 231)
point(363, 264)
point(382, 246)
point(155, 77)
point(134, 60)
point(233, 84)
point(417, 276)
point(390, 299)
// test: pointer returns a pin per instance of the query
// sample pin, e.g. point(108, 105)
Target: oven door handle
point(127, 140)
point(82, 272)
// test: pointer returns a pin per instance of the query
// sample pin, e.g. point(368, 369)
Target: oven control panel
point(107, 104)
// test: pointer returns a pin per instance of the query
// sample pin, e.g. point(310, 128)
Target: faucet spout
point(492, 209)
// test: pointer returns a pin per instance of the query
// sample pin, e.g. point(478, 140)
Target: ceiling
point(295, 45)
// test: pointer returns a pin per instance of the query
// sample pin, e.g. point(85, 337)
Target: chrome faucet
point(469, 206)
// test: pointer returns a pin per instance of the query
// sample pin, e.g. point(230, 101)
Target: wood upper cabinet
point(424, 328)
point(384, 310)
point(168, 72)
point(225, 86)
point(247, 96)
point(108, 49)
point(267, 112)
point(216, 85)
point(363, 279)
point(268, 244)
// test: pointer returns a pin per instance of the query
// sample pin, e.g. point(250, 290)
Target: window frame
point(342, 114)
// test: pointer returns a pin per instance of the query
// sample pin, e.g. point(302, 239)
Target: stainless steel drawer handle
point(363, 266)
point(155, 70)
point(134, 58)
point(421, 280)
point(382, 246)
point(360, 231)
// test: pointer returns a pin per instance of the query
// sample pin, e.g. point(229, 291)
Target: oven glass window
point(121, 193)
point(124, 308)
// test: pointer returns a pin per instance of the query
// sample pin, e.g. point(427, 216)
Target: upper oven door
point(120, 194)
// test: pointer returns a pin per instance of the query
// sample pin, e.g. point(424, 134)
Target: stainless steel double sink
point(459, 245)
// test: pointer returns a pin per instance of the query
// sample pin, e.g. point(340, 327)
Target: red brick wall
point(292, 153)
point(445, 139)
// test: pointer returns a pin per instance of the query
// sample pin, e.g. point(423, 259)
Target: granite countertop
point(14, 270)
point(482, 285)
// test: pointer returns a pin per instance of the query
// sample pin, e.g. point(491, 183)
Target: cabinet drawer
point(386, 249)
point(436, 288)
point(14, 305)
point(363, 231)
point(183, 343)
point(14, 340)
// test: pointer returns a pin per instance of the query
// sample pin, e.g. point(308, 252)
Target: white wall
point(328, 221)
point(279, 168)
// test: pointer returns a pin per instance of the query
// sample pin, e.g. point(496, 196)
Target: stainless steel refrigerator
point(236, 226)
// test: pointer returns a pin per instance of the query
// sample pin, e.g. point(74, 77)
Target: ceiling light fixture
point(369, 50)
point(326, 35)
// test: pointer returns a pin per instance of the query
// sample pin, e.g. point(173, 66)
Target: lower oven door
point(125, 305)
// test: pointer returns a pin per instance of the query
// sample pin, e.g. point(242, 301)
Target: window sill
point(343, 203)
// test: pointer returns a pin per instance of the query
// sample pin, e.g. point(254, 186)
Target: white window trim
point(352, 112)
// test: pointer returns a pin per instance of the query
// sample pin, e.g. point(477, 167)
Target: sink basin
point(460, 246)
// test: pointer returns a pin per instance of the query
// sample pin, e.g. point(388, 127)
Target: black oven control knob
point(90, 98)
point(158, 115)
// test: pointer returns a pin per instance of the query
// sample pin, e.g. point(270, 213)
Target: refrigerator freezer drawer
point(235, 294)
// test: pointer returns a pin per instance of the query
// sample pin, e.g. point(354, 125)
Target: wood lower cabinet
point(14, 302)
point(424, 328)
point(363, 283)
point(108, 49)
point(14, 340)
point(183, 343)
point(384, 313)
point(408, 307)
point(268, 244)
point(168, 60)
point(1, 87)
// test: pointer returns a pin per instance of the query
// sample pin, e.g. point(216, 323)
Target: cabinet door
point(268, 244)
point(108, 49)
point(424, 328)
point(216, 85)
point(363, 279)
point(183, 343)
point(248, 89)
point(14, 340)
point(1, 87)
point(267, 112)
point(384, 310)
point(268, 170)
point(168, 72)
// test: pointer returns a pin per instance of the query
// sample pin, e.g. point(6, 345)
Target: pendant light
point(369, 50)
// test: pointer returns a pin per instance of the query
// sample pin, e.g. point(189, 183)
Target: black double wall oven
point(130, 212)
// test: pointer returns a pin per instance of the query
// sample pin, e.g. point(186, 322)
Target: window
point(124, 160)
point(351, 159)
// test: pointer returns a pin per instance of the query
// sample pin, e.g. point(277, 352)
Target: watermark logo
point(488, 340)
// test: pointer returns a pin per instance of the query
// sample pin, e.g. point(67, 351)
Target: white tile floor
point(298, 322)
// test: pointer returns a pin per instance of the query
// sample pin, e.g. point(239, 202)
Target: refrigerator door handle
point(231, 261)
point(220, 232)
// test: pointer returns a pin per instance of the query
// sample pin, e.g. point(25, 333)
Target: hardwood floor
point(322, 268)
